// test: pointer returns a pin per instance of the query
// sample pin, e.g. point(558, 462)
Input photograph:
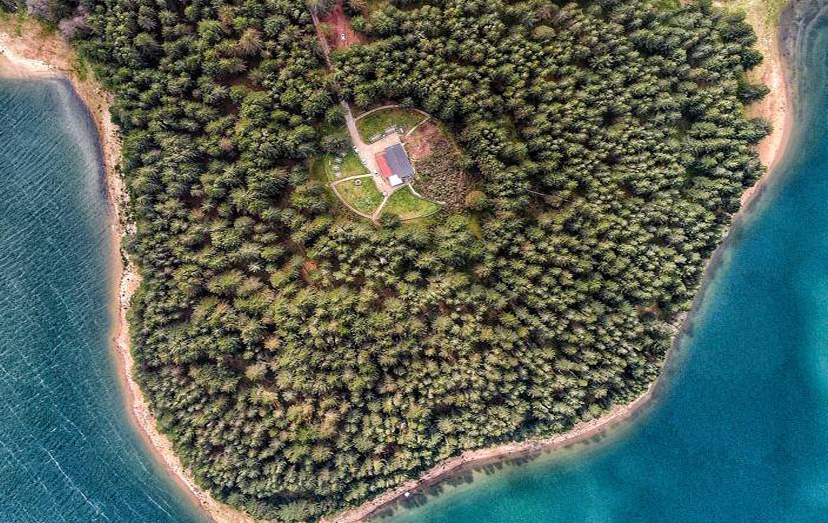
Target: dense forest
point(301, 360)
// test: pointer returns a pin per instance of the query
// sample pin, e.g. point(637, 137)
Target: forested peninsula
point(302, 359)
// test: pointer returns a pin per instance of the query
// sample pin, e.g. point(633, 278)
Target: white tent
point(394, 180)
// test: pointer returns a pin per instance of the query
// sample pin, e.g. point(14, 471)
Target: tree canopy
point(302, 361)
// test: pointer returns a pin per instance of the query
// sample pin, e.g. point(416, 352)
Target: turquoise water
point(740, 430)
point(67, 450)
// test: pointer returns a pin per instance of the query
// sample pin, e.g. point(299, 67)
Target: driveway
point(367, 151)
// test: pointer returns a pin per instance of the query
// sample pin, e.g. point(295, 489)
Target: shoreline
point(581, 431)
point(37, 54)
point(777, 108)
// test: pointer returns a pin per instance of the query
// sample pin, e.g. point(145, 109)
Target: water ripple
point(67, 451)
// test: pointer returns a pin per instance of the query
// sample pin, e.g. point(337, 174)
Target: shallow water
point(68, 452)
point(740, 430)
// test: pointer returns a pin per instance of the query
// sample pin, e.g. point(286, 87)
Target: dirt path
point(384, 201)
point(336, 182)
point(343, 34)
point(364, 150)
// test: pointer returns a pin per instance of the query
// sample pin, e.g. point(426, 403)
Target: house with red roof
point(394, 165)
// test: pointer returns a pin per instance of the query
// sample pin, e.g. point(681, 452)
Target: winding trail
point(382, 204)
point(337, 182)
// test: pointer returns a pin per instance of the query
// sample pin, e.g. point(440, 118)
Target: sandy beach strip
point(38, 54)
point(579, 432)
point(776, 107)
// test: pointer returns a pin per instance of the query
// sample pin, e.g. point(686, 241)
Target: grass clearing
point(80, 67)
point(321, 169)
point(474, 226)
point(407, 206)
point(321, 172)
point(351, 166)
point(361, 194)
point(376, 123)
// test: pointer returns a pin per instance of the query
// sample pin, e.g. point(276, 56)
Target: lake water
point(740, 430)
point(68, 452)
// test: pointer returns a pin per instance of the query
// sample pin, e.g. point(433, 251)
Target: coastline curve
point(778, 46)
point(40, 55)
point(98, 101)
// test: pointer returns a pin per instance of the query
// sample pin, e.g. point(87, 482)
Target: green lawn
point(321, 169)
point(376, 123)
point(364, 197)
point(407, 206)
point(351, 166)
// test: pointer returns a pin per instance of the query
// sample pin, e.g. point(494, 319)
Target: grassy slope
point(404, 204)
point(377, 122)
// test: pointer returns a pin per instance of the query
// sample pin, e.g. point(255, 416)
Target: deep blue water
point(740, 430)
point(68, 452)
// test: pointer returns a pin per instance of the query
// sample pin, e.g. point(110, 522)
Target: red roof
point(385, 170)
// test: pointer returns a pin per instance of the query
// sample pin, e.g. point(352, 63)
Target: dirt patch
point(339, 32)
point(420, 143)
point(308, 268)
point(439, 176)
